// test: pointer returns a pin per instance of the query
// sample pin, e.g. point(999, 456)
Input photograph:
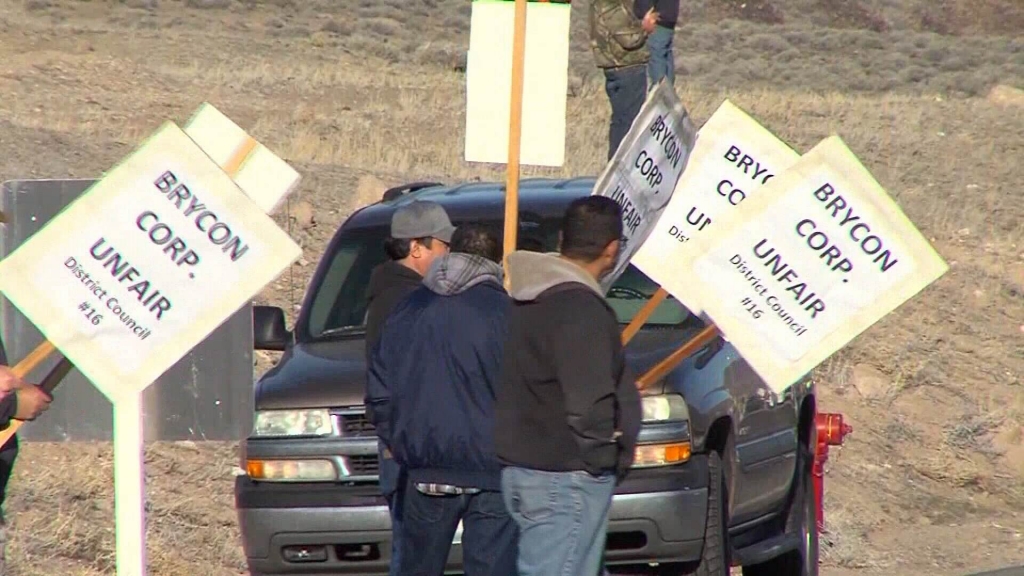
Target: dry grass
point(351, 92)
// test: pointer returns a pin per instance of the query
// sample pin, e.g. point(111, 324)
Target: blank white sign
point(489, 82)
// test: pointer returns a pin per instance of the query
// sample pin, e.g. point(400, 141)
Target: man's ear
point(415, 250)
point(611, 251)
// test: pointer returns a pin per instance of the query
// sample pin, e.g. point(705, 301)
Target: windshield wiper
point(341, 331)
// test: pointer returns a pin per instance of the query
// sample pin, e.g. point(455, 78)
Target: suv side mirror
point(268, 329)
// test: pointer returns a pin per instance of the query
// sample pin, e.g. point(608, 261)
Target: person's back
point(563, 339)
point(451, 331)
point(436, 374)
point(568, 411)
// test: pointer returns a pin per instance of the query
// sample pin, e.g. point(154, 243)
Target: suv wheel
point(714, 560)
point(803, 519)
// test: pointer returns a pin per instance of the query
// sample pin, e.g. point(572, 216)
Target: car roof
point(473, 201)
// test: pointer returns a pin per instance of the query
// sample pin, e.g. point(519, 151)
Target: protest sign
point(732, 158)
point(135, 272)
point(489, 79)
point(266, 179)
point(818, 255)
point(145, 264)
point(642, 174)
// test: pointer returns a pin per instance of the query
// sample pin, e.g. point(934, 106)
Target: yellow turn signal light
point(291, 470)
point(647, 455)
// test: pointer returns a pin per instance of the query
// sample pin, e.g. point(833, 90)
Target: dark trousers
point(627, 90)
point(391, 480)
point(490, 540)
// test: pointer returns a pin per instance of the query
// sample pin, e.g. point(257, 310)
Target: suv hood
point(333, 374)
point(317, 375)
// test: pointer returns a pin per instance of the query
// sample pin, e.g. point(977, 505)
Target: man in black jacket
point(568, 411)
point(433, 382)
point(420, 233)
point(18, 400)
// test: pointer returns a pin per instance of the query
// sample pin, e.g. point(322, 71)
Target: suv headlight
point(666, 426)
point(664, 408)
point(292, 423)
point(291, 470)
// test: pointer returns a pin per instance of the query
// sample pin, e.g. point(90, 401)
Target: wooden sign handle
point(514, 135)
point(643, 315)
point(34, 359)
point(675, 358)
point(50, 382)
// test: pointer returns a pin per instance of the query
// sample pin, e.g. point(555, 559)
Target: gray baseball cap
point(422, 219)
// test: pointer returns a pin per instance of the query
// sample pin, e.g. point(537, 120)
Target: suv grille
point(356, 425)
point(363, 465)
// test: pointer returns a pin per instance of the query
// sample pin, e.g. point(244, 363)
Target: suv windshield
point(339, 304)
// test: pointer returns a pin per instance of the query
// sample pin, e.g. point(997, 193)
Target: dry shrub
point(960, 17)
point(761, 11)
point(853, 14)
point(208, 4)
point(332, 26)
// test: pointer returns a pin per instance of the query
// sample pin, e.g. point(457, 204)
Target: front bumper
point(657, 515)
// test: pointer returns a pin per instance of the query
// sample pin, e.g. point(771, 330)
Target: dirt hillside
point(931, 482)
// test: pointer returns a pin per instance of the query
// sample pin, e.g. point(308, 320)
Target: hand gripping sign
point(643, 173)
point(137, 271)
point(799, 269)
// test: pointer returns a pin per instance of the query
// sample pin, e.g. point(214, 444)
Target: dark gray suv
point(723, 469)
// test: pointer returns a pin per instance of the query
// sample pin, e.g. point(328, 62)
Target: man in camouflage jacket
point(619, 42)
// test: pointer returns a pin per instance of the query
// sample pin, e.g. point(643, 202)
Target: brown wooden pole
point(661, 369)
point(515, 133)
point(643, 315)
point(34, 358)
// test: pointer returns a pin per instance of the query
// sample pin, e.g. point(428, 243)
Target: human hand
point(650, 21)
point(32, 401)
point(9, 380)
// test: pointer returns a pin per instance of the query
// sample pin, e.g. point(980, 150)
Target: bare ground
point(931, 482)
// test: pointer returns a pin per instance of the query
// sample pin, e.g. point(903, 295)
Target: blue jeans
point(627, 90)
point(391, 479)
point(662, 64)
point(489, 540)
point(562, 518)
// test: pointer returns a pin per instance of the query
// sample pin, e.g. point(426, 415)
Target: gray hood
point(534, 272)
point(457, 272)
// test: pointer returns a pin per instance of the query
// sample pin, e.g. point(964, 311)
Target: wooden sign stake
point(514, 134)
point(674, 359)
point(643, 315)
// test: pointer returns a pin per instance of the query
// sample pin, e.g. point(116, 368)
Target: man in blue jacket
point(432, 384)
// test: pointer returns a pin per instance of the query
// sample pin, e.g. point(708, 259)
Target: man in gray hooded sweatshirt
point(568, 410)
point(435, 377)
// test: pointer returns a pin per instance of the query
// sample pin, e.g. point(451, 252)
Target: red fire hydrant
point(831, 432)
